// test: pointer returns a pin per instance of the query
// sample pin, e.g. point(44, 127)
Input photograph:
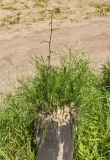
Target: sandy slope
point(16, 47)
point(77, 24)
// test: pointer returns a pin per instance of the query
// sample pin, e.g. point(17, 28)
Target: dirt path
point(16, 47)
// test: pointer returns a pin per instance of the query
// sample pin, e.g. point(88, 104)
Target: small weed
point(41, 3)
point(10, 20)
point(57, 10)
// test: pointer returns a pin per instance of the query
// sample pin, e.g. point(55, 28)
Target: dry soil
point(82, 25)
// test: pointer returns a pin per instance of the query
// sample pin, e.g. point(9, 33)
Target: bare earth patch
point(84, 25)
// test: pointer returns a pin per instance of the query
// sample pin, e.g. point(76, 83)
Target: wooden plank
point(54, 137)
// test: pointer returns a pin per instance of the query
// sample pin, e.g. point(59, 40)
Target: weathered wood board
point(57, 144)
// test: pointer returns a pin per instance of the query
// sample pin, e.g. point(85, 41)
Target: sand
point(86, 35)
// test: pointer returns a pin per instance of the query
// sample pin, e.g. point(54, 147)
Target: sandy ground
point(87, 36)
point(27, 12)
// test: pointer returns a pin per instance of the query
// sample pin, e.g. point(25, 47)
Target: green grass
point(71, 82)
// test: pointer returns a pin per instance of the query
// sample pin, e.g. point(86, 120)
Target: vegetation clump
point(72, 82)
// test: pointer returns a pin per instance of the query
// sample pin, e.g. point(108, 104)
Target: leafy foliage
point(52, 86)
